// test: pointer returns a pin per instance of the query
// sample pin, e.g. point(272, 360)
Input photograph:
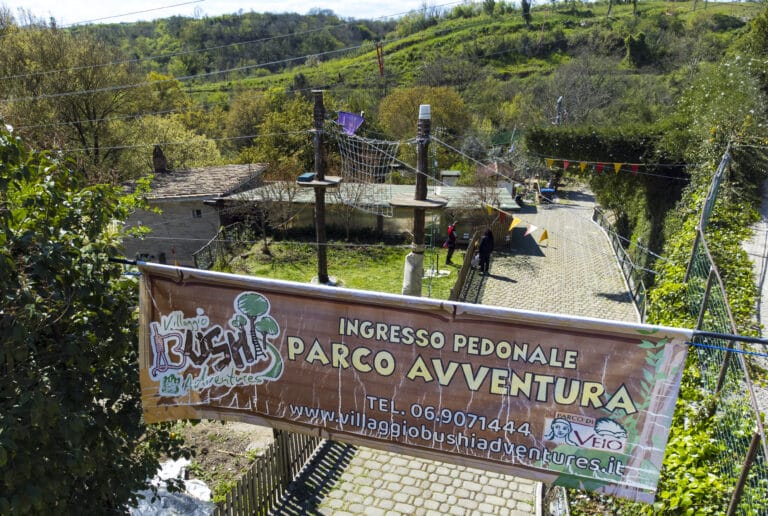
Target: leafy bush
point(72, 438)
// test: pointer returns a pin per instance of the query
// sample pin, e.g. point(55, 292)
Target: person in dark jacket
point(485, 248)
point(450, 244)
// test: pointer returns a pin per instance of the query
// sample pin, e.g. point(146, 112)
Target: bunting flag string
point(516, 221)
point(597, 166)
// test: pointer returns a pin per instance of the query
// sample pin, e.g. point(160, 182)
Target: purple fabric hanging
point(350, 122)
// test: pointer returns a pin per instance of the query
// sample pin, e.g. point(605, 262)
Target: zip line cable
point(132, 13)
point(565, 237)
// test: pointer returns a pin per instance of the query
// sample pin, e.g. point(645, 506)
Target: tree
point(525, 7)
point(72, 438)
point(181, 147)
point(399, 110)
point(283, 138)
point(64, 90)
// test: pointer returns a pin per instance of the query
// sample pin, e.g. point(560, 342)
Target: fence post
point(696, 242)
point(739, 490)
point(705, 299)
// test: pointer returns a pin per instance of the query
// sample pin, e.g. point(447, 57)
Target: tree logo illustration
point(252, 317)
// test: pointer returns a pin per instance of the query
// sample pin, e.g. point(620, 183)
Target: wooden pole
point(414, 262)
point(320, 236)
point(422, 169)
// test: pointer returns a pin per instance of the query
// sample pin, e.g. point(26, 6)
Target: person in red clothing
point(451, 243)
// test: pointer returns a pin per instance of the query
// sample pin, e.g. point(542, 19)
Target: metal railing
point(628, 268)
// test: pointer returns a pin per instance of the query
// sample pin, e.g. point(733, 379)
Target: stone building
point(184, 222)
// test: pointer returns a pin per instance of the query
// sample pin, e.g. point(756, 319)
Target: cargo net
point(366, 167)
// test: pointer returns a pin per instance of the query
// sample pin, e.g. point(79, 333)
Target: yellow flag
point(543, 236)
point(489, 209)
point(550, 162)
point(582, 166)
point(515, 222)
point(617, 167)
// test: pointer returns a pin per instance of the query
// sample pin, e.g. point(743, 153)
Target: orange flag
point(617, 167)
point(515, 222)
point(543, 236)
point(582, 166)
point(550, 162)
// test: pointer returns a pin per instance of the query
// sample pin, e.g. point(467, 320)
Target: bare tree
point(270, 208)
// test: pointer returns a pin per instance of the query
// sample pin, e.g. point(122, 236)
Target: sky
point(72, 12)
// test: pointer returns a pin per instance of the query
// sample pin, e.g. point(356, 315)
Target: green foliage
point(181, 147)
point(638, 53)
point(71, 433)
point(282, 138)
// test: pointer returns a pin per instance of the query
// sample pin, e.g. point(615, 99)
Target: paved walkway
point(575, 273)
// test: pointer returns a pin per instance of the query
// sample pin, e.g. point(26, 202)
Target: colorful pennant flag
point(550, 162)
point(565, 164)
point(502, 217)
point(515, 222)
point(544, 236)
point(635, 166)
point(582, 166)
point(617, 167)
point(600, 168)
point(489, 209)
point(531, 229)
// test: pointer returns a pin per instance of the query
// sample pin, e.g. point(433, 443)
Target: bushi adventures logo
point(188, 354)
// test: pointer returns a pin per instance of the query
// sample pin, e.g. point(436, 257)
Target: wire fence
point(223, 244)
point(737, 428)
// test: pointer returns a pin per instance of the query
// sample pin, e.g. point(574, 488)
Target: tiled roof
point(207, 182)
point(458, 196)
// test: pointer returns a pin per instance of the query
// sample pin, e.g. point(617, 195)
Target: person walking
point(450, 244)
point(485, 248)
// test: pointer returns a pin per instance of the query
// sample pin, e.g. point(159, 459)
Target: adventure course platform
point(574, 272)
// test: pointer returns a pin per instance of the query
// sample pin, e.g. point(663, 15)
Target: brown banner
point(571, 401)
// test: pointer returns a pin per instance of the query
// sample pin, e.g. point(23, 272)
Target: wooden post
point(739, 490)
point(414, 263)
point(320, 236)
point(422, 169)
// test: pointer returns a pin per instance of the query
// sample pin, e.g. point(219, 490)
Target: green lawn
point(375, 267)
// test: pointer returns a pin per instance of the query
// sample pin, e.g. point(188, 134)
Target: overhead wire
point(133, 13)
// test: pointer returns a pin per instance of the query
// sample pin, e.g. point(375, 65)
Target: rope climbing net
point(365, 168)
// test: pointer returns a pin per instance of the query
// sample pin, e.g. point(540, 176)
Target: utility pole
point(319, 181)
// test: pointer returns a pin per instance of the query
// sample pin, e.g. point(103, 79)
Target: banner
point(571, 401)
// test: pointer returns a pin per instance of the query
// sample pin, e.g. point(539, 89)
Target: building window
point(197, 214)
